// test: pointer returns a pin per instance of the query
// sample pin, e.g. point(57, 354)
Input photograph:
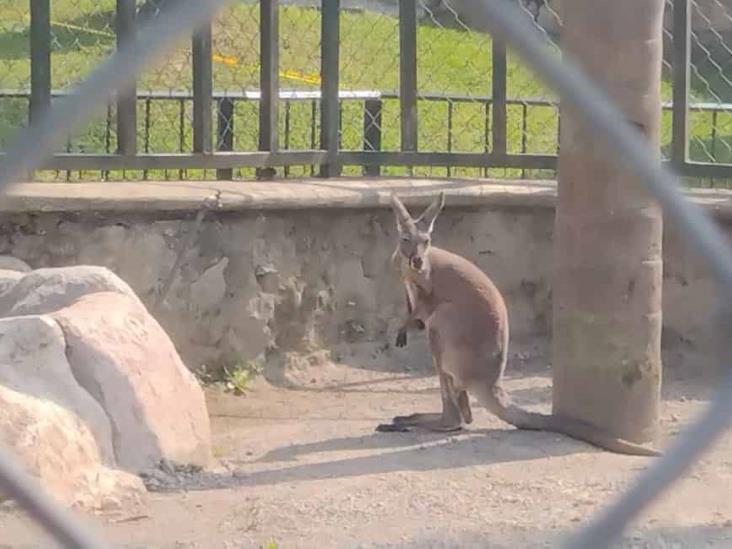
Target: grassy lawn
point(449, 61)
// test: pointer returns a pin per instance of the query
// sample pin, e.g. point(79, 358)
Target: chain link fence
point(369, 61)
point(453, 62)
point(28, 149)
point(14, 67)
point(458, 87)
point(710, 137)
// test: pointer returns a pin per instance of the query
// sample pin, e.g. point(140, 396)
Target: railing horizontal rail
point(309, 95)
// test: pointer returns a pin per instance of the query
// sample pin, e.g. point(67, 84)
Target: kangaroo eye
point(406, 238)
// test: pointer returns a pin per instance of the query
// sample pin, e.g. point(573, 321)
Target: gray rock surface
point(120, 354)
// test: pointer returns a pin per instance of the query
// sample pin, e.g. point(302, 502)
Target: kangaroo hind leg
point(450, 419)
point(464, 404)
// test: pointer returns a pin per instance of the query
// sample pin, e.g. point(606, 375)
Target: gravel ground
point(303, 467)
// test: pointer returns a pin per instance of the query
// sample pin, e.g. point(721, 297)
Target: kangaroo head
point(415, 235)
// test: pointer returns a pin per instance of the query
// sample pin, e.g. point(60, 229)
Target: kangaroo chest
point(420, 302)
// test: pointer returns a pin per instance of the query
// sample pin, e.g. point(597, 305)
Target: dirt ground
point(303, 467)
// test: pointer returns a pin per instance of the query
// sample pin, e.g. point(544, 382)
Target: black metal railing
point(214, 133)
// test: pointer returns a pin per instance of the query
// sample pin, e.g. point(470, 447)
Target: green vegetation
point(232, 372)
point(450, 61)
point(238, 377)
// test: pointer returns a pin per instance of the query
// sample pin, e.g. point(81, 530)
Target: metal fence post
point(202, 89)
point(372, 133)
point(127, 98)
point(225, 133)
point(329, 110)
point(498, 111)
point(681, 68)
point(408, 73)
point(269, 81)
point(40, 57)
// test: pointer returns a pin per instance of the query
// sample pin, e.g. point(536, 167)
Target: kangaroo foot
point(432, 422)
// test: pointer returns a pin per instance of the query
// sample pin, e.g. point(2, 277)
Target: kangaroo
point(467, 326)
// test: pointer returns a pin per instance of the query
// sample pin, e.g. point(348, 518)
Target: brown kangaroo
point(467, 326)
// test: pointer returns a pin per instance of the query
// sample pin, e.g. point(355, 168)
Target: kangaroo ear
point(426, 221)
point(403, 219)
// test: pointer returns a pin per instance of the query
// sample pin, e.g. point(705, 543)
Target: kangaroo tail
point(498, 402)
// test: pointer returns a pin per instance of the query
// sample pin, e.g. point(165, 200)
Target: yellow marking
point(226, 59)
point(230, 60)
point(289, 73)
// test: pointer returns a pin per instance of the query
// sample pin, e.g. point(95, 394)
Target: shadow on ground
point(414, 451)
point(690, 537)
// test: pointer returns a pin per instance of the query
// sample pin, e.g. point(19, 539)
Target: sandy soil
point(305, 468)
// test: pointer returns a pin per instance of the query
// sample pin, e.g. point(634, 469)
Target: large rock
point(33, 361)
point(46, 290)
point(58, 448)
point(8, 279)
point(120, 354)
point(10, 263)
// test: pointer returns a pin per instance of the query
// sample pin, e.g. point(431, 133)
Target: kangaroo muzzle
point(416, 263)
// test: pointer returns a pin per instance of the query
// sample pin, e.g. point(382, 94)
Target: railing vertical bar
point(498, 84)
point(449, 132)
point(269, 81)
point(408, 74)
point(487, 132)
point(313, 132)
point(225, 133)
point(286, 169)
point(372, 133)
point(329, 110)
point(202, 89)
point(181, 132)
point(680, 70)
point(714, 141)
point(40, 57)
point(524, 132)
point(127, 98)
point(107, 139)
point(146, 133)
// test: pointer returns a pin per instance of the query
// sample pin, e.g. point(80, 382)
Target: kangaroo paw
point(431, 422)
point(401, 339)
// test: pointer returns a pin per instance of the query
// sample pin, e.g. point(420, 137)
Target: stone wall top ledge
point(185, 196)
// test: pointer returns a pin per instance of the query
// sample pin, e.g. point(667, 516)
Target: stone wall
point(303, 266)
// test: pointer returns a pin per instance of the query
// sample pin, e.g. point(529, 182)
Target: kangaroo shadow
point(415, 452)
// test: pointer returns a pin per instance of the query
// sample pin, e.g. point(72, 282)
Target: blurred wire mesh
point(700, 230)
point(14, 67)
point(235, 58)
point(454, 83)
point(710, 133)
point(82, 34)
point(369, 61)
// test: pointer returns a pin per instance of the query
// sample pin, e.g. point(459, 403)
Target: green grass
point(449, 61)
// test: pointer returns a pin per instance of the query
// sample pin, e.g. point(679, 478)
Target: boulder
point(10, 263)
point(45, 290)
point(33, 362)
point(8, 279)
point(59, 449)
point(120, 354)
